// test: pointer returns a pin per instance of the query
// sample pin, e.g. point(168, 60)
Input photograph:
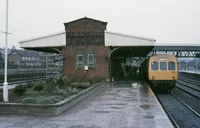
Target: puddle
point(145, 106)
point(101, 111)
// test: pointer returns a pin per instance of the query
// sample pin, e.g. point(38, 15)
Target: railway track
point(180, 112)
point(192, 87)
point(188, 106)
point(183, 103)
point(168, 113)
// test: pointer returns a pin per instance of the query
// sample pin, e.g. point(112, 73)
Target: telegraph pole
point(5, 84)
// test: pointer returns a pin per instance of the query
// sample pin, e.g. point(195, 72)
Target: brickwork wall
point(83, 35)
point(101, 62)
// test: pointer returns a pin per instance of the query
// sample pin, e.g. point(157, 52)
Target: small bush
point(50, 87)
point(60, 81)
point(57, 98)
point(95, 80)
point(61, 92)
point(72, 90)
point(81, 85)
point(29, 85)
point(19, 90)
point(39, 87)
point(32, 93)
point(49, 99)
point(29, 100)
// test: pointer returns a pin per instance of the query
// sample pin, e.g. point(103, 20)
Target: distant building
point(23, 59)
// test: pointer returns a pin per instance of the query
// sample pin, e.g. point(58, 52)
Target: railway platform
point(121, 104)
point(189, 72)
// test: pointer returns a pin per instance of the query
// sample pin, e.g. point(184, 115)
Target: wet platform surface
point(120, 105)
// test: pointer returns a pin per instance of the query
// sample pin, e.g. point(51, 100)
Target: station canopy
point(50, 42)
point(119, 39)
point(128, 45)
point(45, 43)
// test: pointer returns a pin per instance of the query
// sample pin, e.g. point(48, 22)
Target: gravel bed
point(193, 102)
point(184, 117)
point(190, 76)
point(189, 90)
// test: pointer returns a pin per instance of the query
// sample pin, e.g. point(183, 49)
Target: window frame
point(91, 63)
point(79, 64)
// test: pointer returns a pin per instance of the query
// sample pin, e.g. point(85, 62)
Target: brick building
point(86, 44)
point(85, 48)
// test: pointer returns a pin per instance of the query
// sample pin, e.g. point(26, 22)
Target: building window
point(80, 60)
point(90, 59)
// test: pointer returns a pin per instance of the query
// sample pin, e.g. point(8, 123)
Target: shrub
point(29, 85)
point(49, 99)
point(57, 98)
point(60, 81)
point(72, 90)
point(50, 87)
point(81, 85)
point(95, 80)
point(20, 90)
point(39, 87)
point(32, 93)
point(29, 100)
point(61, 92)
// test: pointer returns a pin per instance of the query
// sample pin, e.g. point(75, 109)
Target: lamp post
point(5, 84)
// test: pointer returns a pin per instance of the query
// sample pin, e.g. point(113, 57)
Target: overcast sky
point(168, 21)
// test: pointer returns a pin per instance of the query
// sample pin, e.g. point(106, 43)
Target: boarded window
point(163, 66)
point(171, 65)
point(154, 65)
point(91, 60)
point(80, 60)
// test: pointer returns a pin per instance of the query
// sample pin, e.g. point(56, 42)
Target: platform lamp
point(5, 84)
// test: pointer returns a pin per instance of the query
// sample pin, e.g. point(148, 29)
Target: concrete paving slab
point(121, 105)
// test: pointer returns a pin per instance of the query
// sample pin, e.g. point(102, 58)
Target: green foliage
point(29, 85)
point(95, 80)
point(29, 100)
point(50, 86)
point(19, 90)
point(33, 93)
point(72, 90)
point(43, 99)
point(60, 81)
point(38, 87)
point(61, 92)
point(81, 85)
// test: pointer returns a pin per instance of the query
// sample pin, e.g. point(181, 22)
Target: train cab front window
point(171, 65)
point(154, 65)
point(163, 66)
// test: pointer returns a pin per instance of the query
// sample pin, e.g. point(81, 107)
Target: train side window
point(163, 66)
point(154, 65)
point(171, 65)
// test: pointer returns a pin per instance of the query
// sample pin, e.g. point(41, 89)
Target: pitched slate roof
point(85, 18)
